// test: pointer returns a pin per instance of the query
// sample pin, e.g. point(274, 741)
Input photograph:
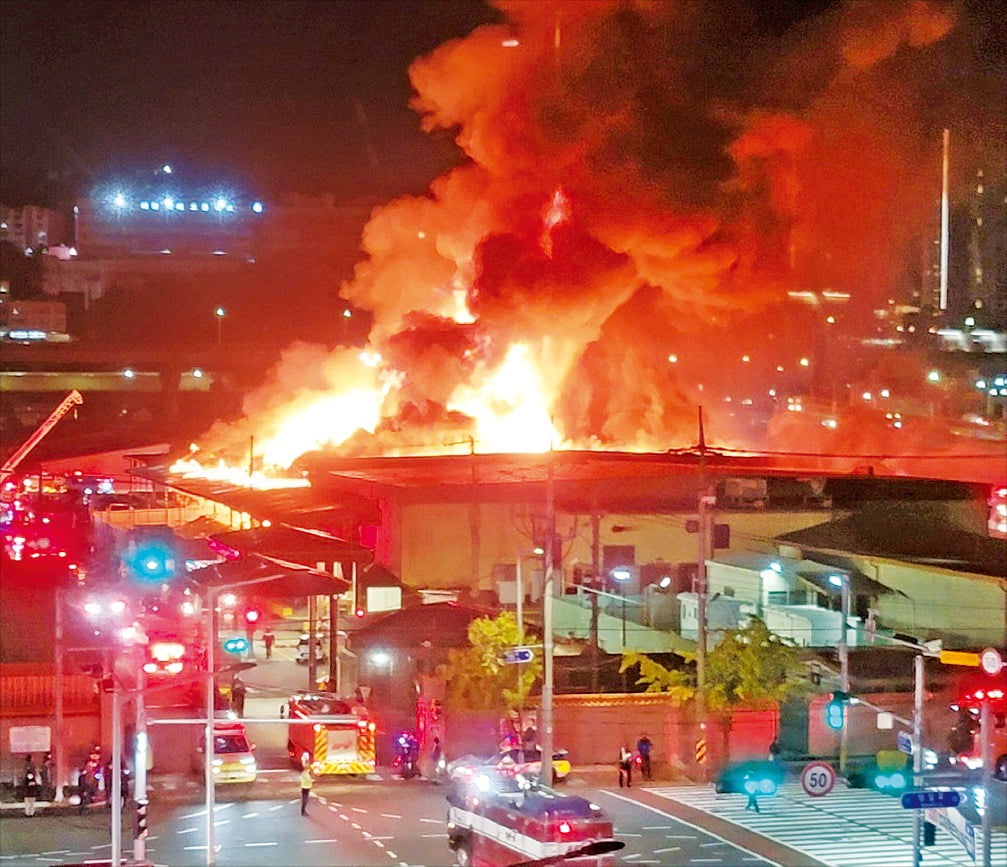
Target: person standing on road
point(643, 747)
point(31, 786)
point(752, 787)
point(307, 781)
point(625, 768)
point(238, 697)
point(267, 639)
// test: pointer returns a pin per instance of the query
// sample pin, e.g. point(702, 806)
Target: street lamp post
point(623, 574)
point(220, 313)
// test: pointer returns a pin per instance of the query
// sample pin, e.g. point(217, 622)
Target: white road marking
point(186, 830)
point(326, 840)
point(687, 824)
point(193, 815)
point(358, 809)
point(434, 821)
point(390, 816)
point(249, 815)
point(270, 843)
point(668, 849)
point(221, 822)
point(280, 806)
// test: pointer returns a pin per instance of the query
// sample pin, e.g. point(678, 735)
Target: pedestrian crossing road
point(846, 828)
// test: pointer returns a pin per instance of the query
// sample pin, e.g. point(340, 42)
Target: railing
point(791, 597)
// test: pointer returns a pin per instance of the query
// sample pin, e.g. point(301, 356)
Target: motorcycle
point(407, 753)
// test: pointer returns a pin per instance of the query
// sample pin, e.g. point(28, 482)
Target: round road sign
point(991, 661)
point(818, 778)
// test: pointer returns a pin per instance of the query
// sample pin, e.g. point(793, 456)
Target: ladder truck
point(72, 400)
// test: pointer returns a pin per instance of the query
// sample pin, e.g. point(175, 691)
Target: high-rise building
point(31, 227)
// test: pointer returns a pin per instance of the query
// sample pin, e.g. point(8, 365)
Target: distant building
point(31, 227)
point(162, 216)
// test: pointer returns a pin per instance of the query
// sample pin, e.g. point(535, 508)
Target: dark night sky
point(307, 96)
point(292, 96)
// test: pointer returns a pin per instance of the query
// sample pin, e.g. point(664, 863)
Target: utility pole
point(595, 572)
point(211, 690)
point(547, 677)
point(334, 684)
point(59, 757)
point(917, 749)
point(312, 650)
point(701, 579)
point(705, 499)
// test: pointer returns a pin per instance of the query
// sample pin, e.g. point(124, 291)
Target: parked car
point(512, 761)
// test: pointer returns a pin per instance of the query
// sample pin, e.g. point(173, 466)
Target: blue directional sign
point(930, 798)
point(518, 654)
point(905, 742)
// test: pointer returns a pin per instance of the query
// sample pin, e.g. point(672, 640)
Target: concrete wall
point(592, 728)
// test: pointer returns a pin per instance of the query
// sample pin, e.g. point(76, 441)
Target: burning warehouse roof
point(643, 189)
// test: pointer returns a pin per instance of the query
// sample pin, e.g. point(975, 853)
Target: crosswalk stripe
point(846, 828)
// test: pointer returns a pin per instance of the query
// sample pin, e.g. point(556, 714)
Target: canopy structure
point(270, 576)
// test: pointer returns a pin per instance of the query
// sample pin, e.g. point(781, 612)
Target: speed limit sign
point(818, 778)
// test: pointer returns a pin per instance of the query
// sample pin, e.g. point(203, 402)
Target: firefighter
point(307, 781)
point(643, 748)
point(267, 639)
point(238, 697)
point(625, 768)
point(31, 786)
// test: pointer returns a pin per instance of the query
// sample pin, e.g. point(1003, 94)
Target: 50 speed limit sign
point(818, 778)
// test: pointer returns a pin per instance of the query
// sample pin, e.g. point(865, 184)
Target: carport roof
point(271, 577)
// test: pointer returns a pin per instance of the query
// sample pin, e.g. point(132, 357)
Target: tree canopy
point(476, 676)
point(748, 666)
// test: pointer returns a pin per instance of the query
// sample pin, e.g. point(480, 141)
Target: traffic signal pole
point(986, 729)
point(844, 669)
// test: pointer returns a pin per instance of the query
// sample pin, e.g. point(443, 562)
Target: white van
point(233, 754)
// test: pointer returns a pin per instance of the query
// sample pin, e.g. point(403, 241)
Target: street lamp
point(622, 574)
point(220, 313)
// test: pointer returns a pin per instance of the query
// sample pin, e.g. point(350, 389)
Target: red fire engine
point(337, 735)
point(498, 819)
point(967, 737)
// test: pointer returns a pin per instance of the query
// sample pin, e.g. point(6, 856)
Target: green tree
point(748, 666)
point(477, 679)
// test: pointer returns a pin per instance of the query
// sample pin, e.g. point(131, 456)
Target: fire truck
point(500, 819)
point(966, 738)
point(336, 735)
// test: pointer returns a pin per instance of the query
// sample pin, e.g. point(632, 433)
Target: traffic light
point(835, 710)
point(252, 616)
point(889, 782)
point(236, 645)
point(153, 561)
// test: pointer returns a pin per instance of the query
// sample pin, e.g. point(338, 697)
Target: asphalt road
point(366, 823)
